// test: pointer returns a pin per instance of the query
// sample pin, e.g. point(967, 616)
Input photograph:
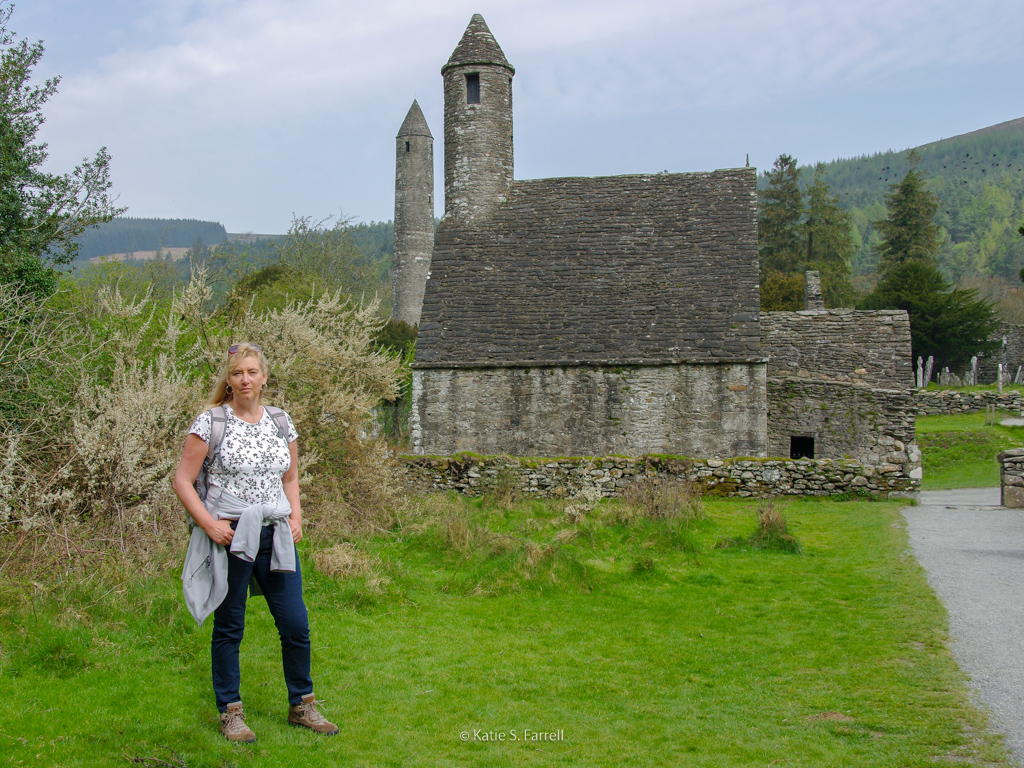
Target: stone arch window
point(473, 88)
point(407, 146)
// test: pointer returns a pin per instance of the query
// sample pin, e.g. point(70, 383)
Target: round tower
point(414, 216)
point(477, 124)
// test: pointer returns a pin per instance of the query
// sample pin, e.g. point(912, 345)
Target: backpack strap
point(218, 427)
point(280, 419)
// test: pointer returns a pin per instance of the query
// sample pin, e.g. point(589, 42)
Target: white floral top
point(253, 457)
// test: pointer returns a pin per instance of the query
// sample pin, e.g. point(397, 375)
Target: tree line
point(802, 230)
point(126, 234)
point(979, 181)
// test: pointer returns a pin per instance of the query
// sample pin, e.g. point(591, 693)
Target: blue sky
point(249, 111)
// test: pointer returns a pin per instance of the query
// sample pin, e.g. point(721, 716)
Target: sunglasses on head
point(235, 347)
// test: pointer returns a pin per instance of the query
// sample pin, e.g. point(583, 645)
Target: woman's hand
point(220, 532)
point(295, 523)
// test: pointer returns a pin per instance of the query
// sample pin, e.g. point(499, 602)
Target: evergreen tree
point(909, 232)
point(951, 325)
point(782, 293)
point(793, 238)
point(41, 214)
point(780, 210)
point(828, 235)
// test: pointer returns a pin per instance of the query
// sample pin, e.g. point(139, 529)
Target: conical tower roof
point(477, 46)
point(414, 124)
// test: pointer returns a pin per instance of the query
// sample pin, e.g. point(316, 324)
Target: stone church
point(601, 316)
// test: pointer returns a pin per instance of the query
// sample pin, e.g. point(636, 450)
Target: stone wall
point(858, 347)
point(566, 477)
point(1011, 478)
point(1010, 354)
point(945, 402)
point(695, 409)
point(843, 378)
point(812, 291)
point(845, 420)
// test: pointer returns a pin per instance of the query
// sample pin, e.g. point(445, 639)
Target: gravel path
point(973, 552)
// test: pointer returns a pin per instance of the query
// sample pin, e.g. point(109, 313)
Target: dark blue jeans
point(284, 597)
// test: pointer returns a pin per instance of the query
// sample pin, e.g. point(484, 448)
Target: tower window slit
point(407, 146)
point(473, 89)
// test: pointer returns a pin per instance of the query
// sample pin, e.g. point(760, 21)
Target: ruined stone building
point(1010, 355)
point(615, 315)
point(840, 385)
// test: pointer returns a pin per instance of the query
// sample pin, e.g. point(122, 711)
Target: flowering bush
point(91, 464)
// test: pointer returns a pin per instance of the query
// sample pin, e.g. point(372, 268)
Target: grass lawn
point(636, 641)
point(960, 451)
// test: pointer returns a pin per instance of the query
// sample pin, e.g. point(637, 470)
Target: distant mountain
point(126, 235)
point(979, 178)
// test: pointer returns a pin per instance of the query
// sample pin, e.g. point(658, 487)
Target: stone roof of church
point(415, 124)
point(477, 46)
point(640, 269)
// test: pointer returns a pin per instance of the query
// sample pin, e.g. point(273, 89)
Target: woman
point(245, 530)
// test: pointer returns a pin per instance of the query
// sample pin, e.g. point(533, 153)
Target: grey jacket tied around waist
point(205, 575)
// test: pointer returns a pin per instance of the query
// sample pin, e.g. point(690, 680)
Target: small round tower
point(414, 216)
point(477, 125)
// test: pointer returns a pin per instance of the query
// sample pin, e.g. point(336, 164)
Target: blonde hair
point(243, 349)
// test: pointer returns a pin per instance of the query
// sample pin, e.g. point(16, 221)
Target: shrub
point(772, 531)
point(87, 468)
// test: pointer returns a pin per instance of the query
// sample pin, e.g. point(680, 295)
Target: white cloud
point(255, 108)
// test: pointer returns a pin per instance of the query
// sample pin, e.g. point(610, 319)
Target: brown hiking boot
point(307, 715)
point(232, 724)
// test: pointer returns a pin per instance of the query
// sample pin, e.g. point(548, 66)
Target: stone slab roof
point(477, 46)
point(640, 269)
point(415, 124)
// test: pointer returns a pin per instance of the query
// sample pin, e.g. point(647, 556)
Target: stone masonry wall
point(1010, 354)
point(845, 420)
point(702, 410)
point(477, 142)
point(858, 347)
point(945, 402)
point(566, 477)
point(1011, 478)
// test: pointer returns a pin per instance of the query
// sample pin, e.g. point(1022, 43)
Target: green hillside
point(979, 177)
point(127, 234)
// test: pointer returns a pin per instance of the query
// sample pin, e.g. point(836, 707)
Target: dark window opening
point(801, 447)
point(472, 89)
point(407, 146)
